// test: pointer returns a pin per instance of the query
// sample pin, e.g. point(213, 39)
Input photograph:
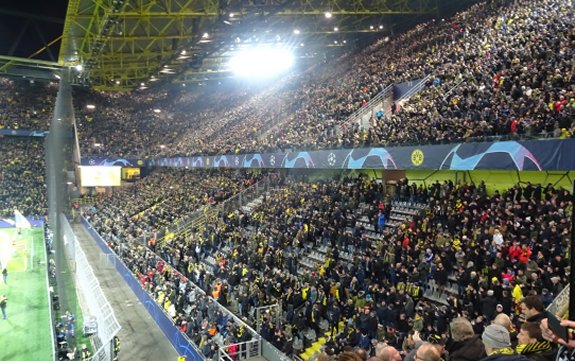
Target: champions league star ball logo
point(331, 158)
point(273, 160)
point(508, 155)
point(236, 160)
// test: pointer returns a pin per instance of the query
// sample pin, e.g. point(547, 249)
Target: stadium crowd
point(22, 177)
point(496, 248)
point(196, 315)
point(163, 199)
point(500, 64)
point(26, 104)
point(498, 68)
point(494, 261)
point(492, 75)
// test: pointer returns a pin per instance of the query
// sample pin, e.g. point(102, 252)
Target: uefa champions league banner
point(23, 133)
point(551, 155)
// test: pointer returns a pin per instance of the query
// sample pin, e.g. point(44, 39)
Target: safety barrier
point(91, 294)
point(181, 342)
point(240, 351)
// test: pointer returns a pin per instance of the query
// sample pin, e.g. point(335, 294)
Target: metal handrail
point(367, 108)
point(448, 93)
point(246, 350)
point(199, 217)
point(417, 87)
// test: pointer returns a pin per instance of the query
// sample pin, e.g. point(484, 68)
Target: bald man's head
point(388, 353)
point(427, 352)
point(503, 320)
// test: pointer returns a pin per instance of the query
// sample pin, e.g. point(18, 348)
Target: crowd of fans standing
point(498, 68)
point(22, 177)
point(496, 248)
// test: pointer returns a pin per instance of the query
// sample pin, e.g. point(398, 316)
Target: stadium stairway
point(381, 102)
point(414, 87)
point(315, 349)
point(362, 116)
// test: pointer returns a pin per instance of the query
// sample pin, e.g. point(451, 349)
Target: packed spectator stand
point(22, 177)
point(463, 253)
point(499, 68)
point(342, 277)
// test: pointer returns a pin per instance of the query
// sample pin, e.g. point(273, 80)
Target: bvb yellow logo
point(140, 162)
point(417, 157)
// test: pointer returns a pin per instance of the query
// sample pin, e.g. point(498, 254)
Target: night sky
point(36, 22)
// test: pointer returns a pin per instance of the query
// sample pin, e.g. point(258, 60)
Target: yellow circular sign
point(417, 157)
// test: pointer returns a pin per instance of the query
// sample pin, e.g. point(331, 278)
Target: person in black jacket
point(333, 316)
point(3, 303)
point(533, 309)
point(464, 344)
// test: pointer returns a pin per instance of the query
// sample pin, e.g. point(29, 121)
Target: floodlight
point(261, 61)
point(79, 67)
point(328, 15)
point(296, 31)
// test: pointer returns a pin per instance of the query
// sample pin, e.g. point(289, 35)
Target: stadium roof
point(127, 44)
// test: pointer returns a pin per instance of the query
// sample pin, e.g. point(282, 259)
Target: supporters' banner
point(506, 155)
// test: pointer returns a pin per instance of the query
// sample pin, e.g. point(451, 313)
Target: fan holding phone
point(557, 331)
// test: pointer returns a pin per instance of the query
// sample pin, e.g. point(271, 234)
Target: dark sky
point(26, 25)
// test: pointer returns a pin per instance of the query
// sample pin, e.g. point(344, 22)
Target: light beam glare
point(261, 61)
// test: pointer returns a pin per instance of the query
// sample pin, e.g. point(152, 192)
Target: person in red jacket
point(233, 350)
point(515, 251)
point(525, 253)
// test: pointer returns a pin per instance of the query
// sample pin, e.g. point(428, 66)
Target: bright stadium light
point(261, 61)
